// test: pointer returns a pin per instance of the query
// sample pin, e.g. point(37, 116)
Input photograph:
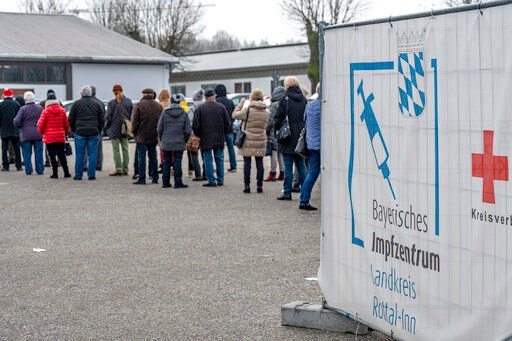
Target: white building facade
point(242, 70)
point(74, 53)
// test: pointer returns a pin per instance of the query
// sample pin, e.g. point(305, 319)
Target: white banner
point(416, 184)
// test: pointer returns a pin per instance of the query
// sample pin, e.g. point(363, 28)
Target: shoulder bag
point(284, 133)
point(240, 135)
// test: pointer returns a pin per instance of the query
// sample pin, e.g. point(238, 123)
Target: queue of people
point(165, 121)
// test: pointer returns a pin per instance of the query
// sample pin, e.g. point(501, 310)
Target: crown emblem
point(411, 42)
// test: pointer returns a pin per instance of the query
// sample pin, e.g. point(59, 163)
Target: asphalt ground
point(127, 262)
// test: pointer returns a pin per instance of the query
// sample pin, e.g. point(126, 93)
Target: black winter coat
point(8, 110)
point(87, 117)
point(211, 123)
point(293, 107)
point(221, 92)
point(116, 114)
point(173, 128)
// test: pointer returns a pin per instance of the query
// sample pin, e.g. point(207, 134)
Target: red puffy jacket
point(53, 124)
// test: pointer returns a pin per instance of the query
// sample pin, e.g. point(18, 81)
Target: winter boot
point(271, 177)
point(281, 176)
point(247, 189)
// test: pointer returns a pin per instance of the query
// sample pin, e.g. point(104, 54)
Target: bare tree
point(169, 25)
point(455, 3)
point(310, 13)
point(44, 6)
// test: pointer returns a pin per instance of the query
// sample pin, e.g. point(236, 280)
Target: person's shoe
point(220, 184)
point(77, 179)
point(139, 183)
point(125, 173)
point(135, 176)
point(284, 198)
point(98, 169)
point(281, 176)
point(47, 164)
point(296, 190)
point(67, 175)
point(232, 170)
point(166, 186)
point(271, 177)
point(115, 174)
point(5, 169)
point(259, 189)
point(92, 178)
point(154, 182)
point(19, 169)
point(180, 186)
point(307, 207)
point(197, 179)
point(54, 176)
point(209, 185)
point(247, 189)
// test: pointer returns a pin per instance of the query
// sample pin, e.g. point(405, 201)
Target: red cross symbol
point(489, 167)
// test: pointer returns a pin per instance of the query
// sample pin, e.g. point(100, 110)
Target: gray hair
point(86, 91)
point(29, 97)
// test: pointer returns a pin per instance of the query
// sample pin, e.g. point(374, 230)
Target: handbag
point(240, 135)
point(126, 129)
point(302, 148)
point(67, 149)
point(284, 133)
point(193, 144)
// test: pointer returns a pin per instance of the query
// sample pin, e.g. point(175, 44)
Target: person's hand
point(242, 101)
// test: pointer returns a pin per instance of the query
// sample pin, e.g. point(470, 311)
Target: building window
point(208, 86)
point(13, 73)
point(243, 87)
point(179, 89)
point(33, 73)
point(272, 85)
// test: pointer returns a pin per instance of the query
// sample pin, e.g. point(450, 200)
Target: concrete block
point(306, 315)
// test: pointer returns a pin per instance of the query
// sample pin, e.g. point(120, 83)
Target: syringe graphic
point(380, 151)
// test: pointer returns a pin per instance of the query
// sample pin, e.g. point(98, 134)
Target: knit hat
point(50, 91)
point(198, 96)
point(51, 96)
point(117, 88)
point(8, 93)
point(209, 93)
point(177, 98)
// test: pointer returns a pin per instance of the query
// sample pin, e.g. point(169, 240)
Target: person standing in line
point(211, 123)
point(26, 121)
point(99, 157)
point(276, 158)
point(193, 157)
point(313, 138)
point(54, 126)
point(221, 93)
point(173, 132)
point(145, 117)
point(43, 105)
point(164, 98)
point(8, 131)
point(86, 119)
point(291, 108)
point(119, 109)
point(254, 125)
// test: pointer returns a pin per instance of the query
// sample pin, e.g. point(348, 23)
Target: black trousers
point(259, 170)
point(57, 150)
point(5, 150)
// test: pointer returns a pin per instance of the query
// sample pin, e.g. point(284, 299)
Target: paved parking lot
point(140, 262)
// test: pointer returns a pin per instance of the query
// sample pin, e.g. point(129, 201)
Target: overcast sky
point(245, 20)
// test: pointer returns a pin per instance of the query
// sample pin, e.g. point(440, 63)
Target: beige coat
point(255, 143)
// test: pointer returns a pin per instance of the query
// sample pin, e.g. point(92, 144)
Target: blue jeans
point(150, 149)
point(26, 148)
point(218, 154)
point(83, 144)
point(289, 160)
point(231, 150)
point(314, 172)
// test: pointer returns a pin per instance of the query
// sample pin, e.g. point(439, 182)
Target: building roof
point(45, 37)
point(248, 58)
